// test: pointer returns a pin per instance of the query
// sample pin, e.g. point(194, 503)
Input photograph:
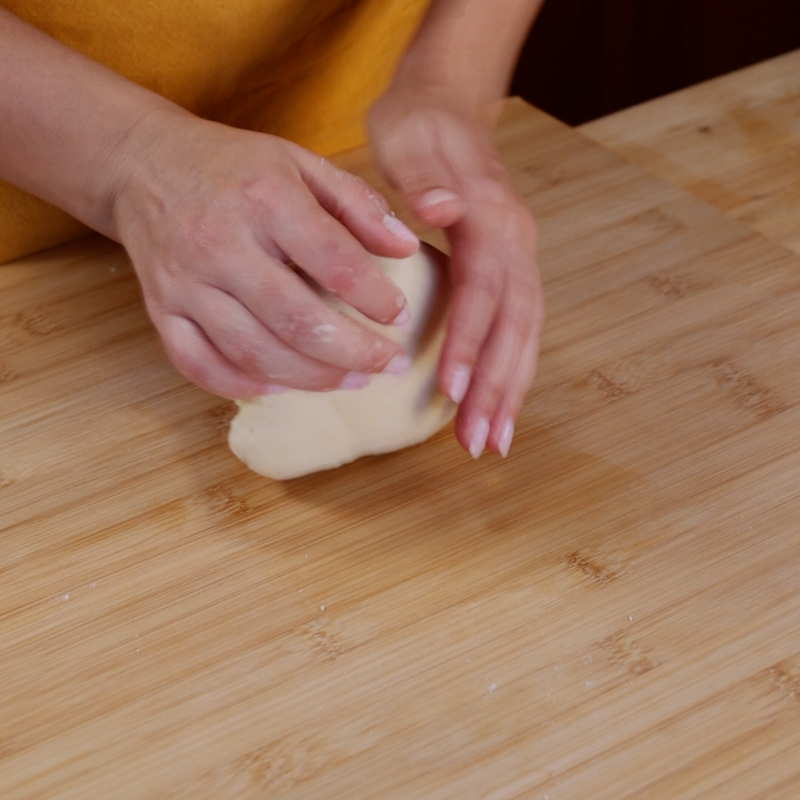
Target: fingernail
point(398, 229)
point(506, 435)
point(275, 388)
point(403, 318)
point(459, 383)
point(354, 380)
point(398, 365)
point(436, 196)
point(479, 436)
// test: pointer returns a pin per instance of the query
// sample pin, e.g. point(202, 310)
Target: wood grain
point(612, 612)
point(733, 142)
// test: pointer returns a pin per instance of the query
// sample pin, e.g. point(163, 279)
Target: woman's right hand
point(213, 219)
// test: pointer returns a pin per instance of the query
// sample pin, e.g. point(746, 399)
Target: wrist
point(131, 155)
point(457, 78)
point(465, 50)
point(437, 74)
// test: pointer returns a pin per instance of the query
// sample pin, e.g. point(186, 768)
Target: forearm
point(65, 122)
point(469, 47)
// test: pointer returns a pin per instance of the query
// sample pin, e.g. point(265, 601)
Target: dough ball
point(287, 435)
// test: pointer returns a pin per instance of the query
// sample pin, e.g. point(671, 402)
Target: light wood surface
point(612, 612)
point(734, 142)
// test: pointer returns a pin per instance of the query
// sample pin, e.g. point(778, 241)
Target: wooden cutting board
point(734, 142)
point(612, 612)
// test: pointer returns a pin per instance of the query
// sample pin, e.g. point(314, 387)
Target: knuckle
point(265, 189)
point(530, 304)
point(206, 229)
point(340, 277)
point(193, 369)
point(264, 197)
point(302, 328)
point(418, 177)
point(377, 202)
point(327, 239)
point(243, 352)
point(292, 327)
point(521, 322)
point(371, 352)
point(467, 335)
point(494, 192)
point(485, 282)
point(467, 348)
point(165, 291)
point(195, 358)
point(157, 309)
point(487, 390)
point(361, 187)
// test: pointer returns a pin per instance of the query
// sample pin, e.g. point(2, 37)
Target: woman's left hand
point(441, 159)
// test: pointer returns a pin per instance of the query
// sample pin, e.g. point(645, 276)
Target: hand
point(441, 159)
point(213, 219)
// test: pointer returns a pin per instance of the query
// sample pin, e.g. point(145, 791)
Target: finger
point(285, 304)
point(499, 358)
point(417, 163)
point(437, 206)
point(201, 363)
point(326, 251)
point(505, 371)
point(256, 351)
point(521, 376)
point(358, 206)
point(501, 431)
point(477, 278)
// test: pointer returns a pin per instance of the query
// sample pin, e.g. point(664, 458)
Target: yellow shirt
point(305, 70)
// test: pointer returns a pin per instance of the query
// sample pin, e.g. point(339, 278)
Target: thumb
point(414, 161)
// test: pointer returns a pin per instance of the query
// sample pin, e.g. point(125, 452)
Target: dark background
point(588, 58)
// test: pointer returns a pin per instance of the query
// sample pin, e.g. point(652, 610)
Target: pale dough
point(287, 435)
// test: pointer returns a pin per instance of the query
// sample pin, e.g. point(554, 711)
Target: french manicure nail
point(506, 435)
point(459, 383)
point(354, 380)
point(403, 318)
point(436, 196)
point(479, 436)
point(275, 388)
point(398, 365)
point(398, 229)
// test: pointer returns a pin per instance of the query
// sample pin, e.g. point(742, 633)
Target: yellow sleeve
point(305, 70)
